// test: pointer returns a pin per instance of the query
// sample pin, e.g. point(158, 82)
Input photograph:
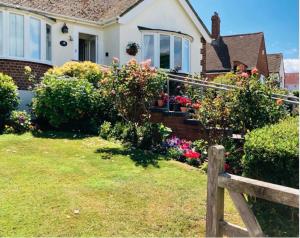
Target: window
point(186, 56)
point(149, 48)
point(1, 33)
point(177, 53)
point(165, 51)
point(16, 35)
point(35, 39)
point(48, 43)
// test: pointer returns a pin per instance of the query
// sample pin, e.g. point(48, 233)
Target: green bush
point(105, 130)
point(8, 98)
point(272, 155)
point(19, 122)
point(69, 103)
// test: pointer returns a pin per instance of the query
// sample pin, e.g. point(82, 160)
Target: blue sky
point(278, 19)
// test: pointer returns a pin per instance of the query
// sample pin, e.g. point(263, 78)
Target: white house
point(45, 33)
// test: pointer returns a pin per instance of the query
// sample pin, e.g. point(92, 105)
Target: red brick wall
point(15, 69)
point(203, 53)
point(262, 64)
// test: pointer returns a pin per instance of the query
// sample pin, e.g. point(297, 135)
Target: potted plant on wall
point(132, 48)
point(183, 102)
point(163, 99)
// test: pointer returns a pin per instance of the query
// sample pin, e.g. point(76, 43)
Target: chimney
point(215, 31)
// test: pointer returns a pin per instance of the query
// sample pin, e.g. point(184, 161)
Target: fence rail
point(237, 186)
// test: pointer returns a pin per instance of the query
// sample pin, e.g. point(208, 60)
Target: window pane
point(48, 43)
point(164, 52)
point(35, 38)
point(186, 56)
point(149, 48)
point(16, 35)
point(177, 53)
point(1, 33)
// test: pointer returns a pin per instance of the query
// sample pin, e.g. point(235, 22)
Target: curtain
point(16, 35)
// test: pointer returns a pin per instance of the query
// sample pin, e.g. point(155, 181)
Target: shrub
point(272, 155)
point(68, 103)
point(229, 79)
point(8, 97)
point(133, 88)
point(19, 122)
point(105, 130)
point(81, 70)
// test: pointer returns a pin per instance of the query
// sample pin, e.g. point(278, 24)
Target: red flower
point(196, 106)
point(185, 146)
point(192, 154)
point(226, 167)
point(183, 101)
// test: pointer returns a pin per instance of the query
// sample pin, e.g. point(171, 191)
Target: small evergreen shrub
point(8, 98)
point(272, 155)
point(19, 122)
point(68, 103)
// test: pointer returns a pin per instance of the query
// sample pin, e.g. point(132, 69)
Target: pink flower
point(254, 71)
point(192, 155)
point(245, 75)
point(116, 60)
point(132, 61)
point(146, 63)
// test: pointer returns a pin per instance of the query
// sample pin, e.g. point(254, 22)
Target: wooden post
point(215, 194)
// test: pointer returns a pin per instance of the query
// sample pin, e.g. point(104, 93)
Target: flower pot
point(160, 103)
point(183, 109)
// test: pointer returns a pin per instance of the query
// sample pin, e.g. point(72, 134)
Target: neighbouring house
point(46, 33)
point(227, 53)
point(276, 68)
point(291, 81)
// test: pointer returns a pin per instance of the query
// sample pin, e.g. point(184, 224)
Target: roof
point(274, 62)
point(291, 78)
point(92, 10)
point(223, 52)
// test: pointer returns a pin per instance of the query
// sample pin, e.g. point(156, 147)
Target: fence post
point(215, 194)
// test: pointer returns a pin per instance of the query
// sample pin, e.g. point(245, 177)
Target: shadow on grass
point(59, 135)
point(140, 157)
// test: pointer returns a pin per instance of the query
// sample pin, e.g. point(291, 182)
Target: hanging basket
point(132, 49)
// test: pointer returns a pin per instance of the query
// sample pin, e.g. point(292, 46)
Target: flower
point(245, 75)
point(196, 106)
point(116, 60)
point(27, 69)
point(279, 102)
point(226, 167)
point(146, 63)
point(183, 101)
point(192, 154)
point(254, 71)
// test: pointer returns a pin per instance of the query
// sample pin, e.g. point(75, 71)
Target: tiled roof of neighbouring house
point(292, 78)
point(274, 62)
point(225, 50)
point(92, 10)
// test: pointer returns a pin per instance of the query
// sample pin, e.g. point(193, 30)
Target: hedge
point(272, 155)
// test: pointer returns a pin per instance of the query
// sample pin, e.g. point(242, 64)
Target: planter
point(160, 103)
point(183, 109)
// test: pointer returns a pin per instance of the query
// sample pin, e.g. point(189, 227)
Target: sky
point(278, 19)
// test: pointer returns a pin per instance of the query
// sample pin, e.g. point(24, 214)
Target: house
point(291, 81)
point(46, 33)
point(276, 67)
point(226, 53)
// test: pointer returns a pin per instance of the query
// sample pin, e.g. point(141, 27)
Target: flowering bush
point(133, 88)
point(81, 70)
point(18, 122)
point(8, 98)
point(186, 151)
point(183, 101)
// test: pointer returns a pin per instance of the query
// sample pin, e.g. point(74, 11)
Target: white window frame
point(27, 57)
point(156, 35)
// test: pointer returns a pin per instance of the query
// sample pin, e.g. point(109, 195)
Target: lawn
point(63, 185)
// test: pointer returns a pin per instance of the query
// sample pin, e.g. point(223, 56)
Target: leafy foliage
point(68, 103)
point(8, 97)
point(133, 89)
point(272, 155)
point(19, 122)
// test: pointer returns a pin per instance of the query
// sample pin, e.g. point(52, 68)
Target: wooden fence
point(218, 181)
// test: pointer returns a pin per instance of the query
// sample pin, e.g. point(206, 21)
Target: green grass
point(44, 179)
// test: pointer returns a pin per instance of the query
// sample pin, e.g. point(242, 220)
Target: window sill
point(27, 60)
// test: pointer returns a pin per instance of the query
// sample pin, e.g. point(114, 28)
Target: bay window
point(16, 35)
point(25, 37)
point(35, 39)
point(167, 51)
point(149, 48)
